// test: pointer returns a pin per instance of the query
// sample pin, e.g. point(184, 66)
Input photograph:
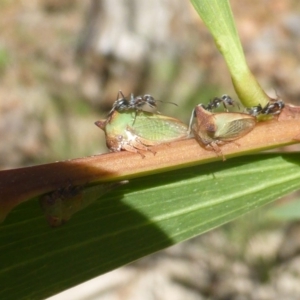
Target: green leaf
point(139, 218)
point(217, 16)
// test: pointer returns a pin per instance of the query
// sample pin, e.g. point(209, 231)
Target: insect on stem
point(135, 103)
point(149, 129)
point(215, 103)
point(274, 107)
point(214, 129)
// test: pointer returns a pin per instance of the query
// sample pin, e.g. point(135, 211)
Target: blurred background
point(62, 63)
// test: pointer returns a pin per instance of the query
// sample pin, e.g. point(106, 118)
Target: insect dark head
point(215, 103)
point(273, 107)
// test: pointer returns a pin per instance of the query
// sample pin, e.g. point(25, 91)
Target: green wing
point(158, 128)
point(234, 129)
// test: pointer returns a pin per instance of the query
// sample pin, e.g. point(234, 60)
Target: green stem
point(20, 185)
point(217, 16)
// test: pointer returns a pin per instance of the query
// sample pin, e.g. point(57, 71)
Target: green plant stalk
point(217, 16)
point(20, 185)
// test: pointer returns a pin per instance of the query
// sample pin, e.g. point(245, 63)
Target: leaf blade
point(217, 16)
point(146, 215)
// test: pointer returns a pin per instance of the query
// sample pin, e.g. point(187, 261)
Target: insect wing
point(117, 123)
point(130, 129)
point(231, 126)
point(158, 128)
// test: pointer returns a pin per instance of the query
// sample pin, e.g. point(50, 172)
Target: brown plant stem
point(19, 185)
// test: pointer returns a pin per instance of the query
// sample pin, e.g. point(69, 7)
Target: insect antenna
point(169, 102)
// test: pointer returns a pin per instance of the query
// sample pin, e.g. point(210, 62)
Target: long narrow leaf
point(137, 219)
point(217, 16)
